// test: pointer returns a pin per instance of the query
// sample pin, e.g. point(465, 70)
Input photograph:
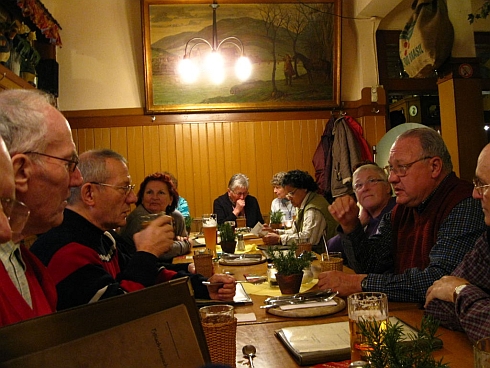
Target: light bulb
point(188, 71)
point(215, 67)
point(243, 68)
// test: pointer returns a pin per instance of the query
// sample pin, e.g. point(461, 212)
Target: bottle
point(240, 245)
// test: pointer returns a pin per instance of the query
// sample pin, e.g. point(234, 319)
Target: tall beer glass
point(368, 306)
point(209, 229)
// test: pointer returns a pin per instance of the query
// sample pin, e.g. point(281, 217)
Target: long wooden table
point(457, 349)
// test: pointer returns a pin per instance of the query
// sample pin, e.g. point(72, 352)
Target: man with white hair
point(44, 161)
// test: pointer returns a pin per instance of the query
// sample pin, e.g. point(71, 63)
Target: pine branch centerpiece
point(289, 267)
point(388, 350)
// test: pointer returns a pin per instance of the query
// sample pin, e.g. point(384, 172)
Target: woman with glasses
point(157, 194)
point(237, 202)
point(312, 219)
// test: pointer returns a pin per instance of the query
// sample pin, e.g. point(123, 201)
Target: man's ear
point(23, 171)
point(87, 194)
point(436, 165)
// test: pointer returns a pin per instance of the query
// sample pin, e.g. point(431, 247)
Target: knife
point(278, 303)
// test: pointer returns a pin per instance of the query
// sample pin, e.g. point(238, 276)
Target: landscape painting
point(293, 49)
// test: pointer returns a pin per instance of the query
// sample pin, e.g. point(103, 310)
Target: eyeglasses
point(16, 213)
point(479, 187)
point(401, 170)
point(291, 193)
point(71, 164)
point(368, 183)
point(239, 194)
point(127, 188)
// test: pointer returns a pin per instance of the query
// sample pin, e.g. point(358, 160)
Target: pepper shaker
point(240, 246)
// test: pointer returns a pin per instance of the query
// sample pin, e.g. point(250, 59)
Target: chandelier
point(213, 65)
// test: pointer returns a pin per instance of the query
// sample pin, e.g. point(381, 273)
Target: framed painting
point(290, 49)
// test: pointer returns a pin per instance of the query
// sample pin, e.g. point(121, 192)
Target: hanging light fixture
point(213, 65)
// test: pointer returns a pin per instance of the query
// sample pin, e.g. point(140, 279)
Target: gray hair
point(432, 145)
point(93, 166)
point(23, 119)
point(277, 178)
point(238, 181)
point(372, 167)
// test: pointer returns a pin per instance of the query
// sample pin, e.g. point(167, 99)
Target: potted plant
point(188, 224)
point(227, 236)
point(289, 267)
point(276, 219)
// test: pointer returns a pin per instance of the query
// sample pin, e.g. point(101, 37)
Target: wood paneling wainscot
point(204, 154)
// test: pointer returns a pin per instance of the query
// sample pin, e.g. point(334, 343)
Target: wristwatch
point(458, 290)
point(364, 284)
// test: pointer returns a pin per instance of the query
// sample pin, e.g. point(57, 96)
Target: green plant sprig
point(286, 262)
point(275, 217)
point(226, 232)
point(389, 349)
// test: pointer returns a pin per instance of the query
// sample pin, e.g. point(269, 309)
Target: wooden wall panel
point(204, 155)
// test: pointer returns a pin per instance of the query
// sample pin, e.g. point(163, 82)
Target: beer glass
point(209, 229)
point(368, 306)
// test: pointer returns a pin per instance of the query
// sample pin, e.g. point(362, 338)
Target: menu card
point(326, 342)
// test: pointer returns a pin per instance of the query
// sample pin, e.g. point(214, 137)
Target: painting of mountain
point(293, 49)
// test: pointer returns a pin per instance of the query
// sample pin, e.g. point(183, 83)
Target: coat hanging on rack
point(340, 148)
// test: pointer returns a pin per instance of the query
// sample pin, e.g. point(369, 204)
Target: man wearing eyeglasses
point(237, 202)
point(83, 256)
point(462, 301)
point(433, 225)
point(44, 161)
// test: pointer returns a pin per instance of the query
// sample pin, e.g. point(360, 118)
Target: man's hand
point(239, 207)
point(443, 289)
point(157, 238)
point(271, 239)
point(345, 211)
point(345, 284)
point(225, 292)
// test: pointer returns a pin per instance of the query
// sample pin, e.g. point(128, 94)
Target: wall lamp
point(213, 63)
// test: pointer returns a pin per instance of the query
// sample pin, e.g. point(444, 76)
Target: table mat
point(266, 289)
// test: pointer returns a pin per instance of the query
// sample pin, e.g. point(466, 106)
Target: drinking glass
point(368, 306)
point(241, 221)
point(209, 228)
point(481, 352)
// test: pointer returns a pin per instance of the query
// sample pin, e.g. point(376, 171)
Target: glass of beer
point(241, 221)
point(146, 219)
point(368, 306)
point(209, 228)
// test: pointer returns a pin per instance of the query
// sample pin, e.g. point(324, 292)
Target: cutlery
point(249, 350)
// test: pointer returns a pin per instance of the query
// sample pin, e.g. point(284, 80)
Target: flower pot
point(228, 246)
point(289, 284)
point(276, 226)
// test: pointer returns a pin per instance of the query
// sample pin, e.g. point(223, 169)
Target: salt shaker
point(240, 245)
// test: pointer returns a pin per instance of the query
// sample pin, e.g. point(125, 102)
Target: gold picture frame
point(294, 48)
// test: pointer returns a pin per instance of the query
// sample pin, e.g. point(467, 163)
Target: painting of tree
point(294, 49)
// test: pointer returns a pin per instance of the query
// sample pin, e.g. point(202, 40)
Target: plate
point(310, 312)
point(242, 261)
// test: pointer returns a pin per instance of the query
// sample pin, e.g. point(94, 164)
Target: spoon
point(250, 351)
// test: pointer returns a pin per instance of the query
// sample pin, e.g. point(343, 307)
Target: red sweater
point(416, 230)
point(13, 307)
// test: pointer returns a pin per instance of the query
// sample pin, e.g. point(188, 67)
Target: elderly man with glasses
point(44, 161)
point(433, 225)
point(238, 202)
point(83, 254)
point(462, 301)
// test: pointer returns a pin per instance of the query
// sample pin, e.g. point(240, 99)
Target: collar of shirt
point(422, 206)
point(9, 251)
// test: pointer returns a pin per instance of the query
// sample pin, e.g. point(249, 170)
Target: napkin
point(246, 317)
point(308, 305)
